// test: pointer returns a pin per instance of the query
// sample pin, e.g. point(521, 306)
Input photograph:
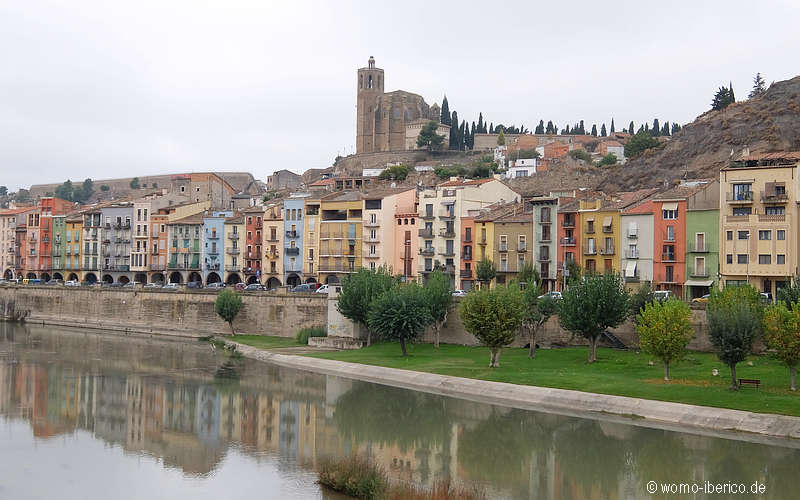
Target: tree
point(675, 128)
point(23, 195)
point(439, 298)
point(592, 305)
point(665, 129)
point(609, 159)
point(639, 299)
point(580, 154)
point(638, 143)
point(612, 126)
point(491, 128)
point(790, 294)
point(782, 333)
point(734, 321)
point(630, 128)
point(501, 139)
point(481, 124)
point(134, 183)
point(722, 98)
point(396, 172)
point(539, 128)
point(3, 190)
point(64, 191)
point(485, 271)
point(454, 138)
point(104, 187)
point(85, 192)
point(594, 130)
point(493, 317)
point(656, 130)
point(550, 128)
point(228, 306)
point(759, 86)
point(665, 330)
point(445, 115)
point(537, 310)
point(428, 138)
point(359, 290)
point(603, 132)
point(399, 313)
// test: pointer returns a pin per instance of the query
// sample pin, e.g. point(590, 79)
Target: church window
point(361, 81)
point(369, 82)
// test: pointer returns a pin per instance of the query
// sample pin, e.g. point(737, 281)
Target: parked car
point(72, 283)
point(34, 281)
point(254, 287)
point(239, 286)
point(701, 300)
point(322, 289)
point(4, 282)
point(196, 285)
point(662, 295)
point(305, 287)
point(153, 285)
point(216, 286)
point(459, 293)
point(117, 284)
point(552, 294)
point(766, 298)
point(172, 286)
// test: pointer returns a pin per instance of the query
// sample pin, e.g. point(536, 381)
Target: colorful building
point(380, 243)
point(214, 246)
point(569, 232)
point(73, 247)
point(340, 235)
point(293, 210)
point(184, 238)
point(92, 239)
point(58, 246)
point(637, 240)
point(272, 272)
point(234, 242)
point(466, 272)
point(509, 230)
point(543, 246)
point(254, 226)
point(11, 222)
point(311, 229)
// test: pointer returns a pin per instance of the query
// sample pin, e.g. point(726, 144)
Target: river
point(85, 415)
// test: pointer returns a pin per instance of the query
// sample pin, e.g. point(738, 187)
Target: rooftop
point(466, 182)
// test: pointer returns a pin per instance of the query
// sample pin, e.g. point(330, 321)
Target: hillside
point(764, 124)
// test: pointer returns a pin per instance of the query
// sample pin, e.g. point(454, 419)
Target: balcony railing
point(607, 249)
point(233, 236)
point(771, 218)
point(447, 217)
point(668, 257)
point(773, 197)
point(232, 251)
point(272, 238)
point(427, 251)
point(698, 272)
point(632, 254)
point(465, 273)
point(232, 269)
point(466, 256)
point(544, 257)
point(291, 234)
point(426, 233)
point(292, 251)
point(568, 223)
point(448, 253)
point(741, 197)
point(568, 242)
point(447, 233)
point(372, 239)
point(157, 267)
point(272, 255)
point(587, 250)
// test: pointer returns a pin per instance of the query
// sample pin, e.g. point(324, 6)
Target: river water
point(90, 416)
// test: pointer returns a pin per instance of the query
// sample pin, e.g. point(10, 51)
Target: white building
point(523, 167)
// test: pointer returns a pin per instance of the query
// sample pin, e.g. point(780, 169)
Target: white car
point(459, 293)
point(662, 295)
point(322, 289)
point(553, 295)
point(72, 283)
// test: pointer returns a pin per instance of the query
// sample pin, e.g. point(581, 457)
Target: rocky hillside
point(764, 124)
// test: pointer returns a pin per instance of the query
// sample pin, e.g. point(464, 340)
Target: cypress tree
point(759, 87)
point(480, 123)
point(656, 128)
point(549, 129)
point(603, 130)
point(630, 128)
point(472, 136)
point(675, 128)
point(491, 128)
point(730, 92)
point(540, 127)
point(445, 118)
point(612, 125)
point(582, 130)
point(594, 130)
point(665, 129)
point(454, 138)
point(462, 136)
point(565, 130)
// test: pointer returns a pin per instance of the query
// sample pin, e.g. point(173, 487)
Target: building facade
point(234, 242)
point(73, 247)
point(116, 243)
point(543, 247)
point(293, 228)
point(254, 227)
point(340, 236)
point(185, 238)
point(272, 272)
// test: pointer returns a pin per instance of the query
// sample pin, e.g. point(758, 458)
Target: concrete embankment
point(181, 313)
point(671, 416)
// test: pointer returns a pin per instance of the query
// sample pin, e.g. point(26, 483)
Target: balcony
point(177, 265)
point(633, 234)
point(291, 234)
point(698, 272)
point(466, 256)
point(292, 251)
point(668, 257)
point(587, 250)
point(568, 242)
point(664, 278)
point(157, 267)
point(371, 256)
point(448, 216)
point(774, 198)
point(427, 216)
point(632, 254)
point(771, 218)
point(427, 251)
point(233, 236)
point(123, 225)
point(45, 239)
point(447, 233)
point(272, 238)
point(232, 269)
point(213, 236)
point(503, 247)
point(743, 197)
point(273, 255)
point(465, 273)
point(737, 218)
point(232, 251)
point(369, 223)
point(426, 233)
point(371, 239)
point(568, 223)
point(448, 253)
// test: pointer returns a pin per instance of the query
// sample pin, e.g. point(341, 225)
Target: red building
point(38, 254)
point(568, 236)
point(254, 227)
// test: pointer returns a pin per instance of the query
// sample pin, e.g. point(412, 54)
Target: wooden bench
point(750, 381)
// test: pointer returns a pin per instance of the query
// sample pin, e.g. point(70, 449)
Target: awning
point(630, 269)
point(669, 206)
point(699, 283)
point(607, 221)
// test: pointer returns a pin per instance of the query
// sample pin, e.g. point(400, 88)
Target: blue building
point(214, 246)
point(293, 217)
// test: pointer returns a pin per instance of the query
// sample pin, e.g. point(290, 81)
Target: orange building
point(467, 273)
point(254, 225)
point(569, 241)
point(407, 242)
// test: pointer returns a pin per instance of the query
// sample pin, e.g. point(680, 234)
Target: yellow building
point(340, 231)
point(311, 230)
point(272, 261)
point(758, 221)
point(509, 237)
point(234, 242)
point(72, 246)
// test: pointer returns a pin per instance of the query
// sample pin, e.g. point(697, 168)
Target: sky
point(119, 89)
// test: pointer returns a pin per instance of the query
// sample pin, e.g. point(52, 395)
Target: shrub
point(397, 172)
point(305, 333)
point(580, 154)
point(355, 476)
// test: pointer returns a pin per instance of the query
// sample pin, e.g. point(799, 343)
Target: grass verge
point(265, 341)
point(617, 372)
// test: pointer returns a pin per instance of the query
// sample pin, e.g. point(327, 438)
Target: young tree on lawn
point(439, 298)
point(782, 333)
point(400, 313)
point(665, 331)
point(494, 317)
point(228, 306)
point(639, 299)
point(537, 312)
point(485, 271)
point(592, 305)
point(359, 290)
point(734, 317)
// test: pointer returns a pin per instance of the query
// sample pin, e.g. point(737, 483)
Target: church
point(390, 121)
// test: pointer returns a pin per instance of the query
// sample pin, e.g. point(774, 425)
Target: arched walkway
point(233, 278)
point(273, 283)
point(58, 276)
point(31, 276)
point(176, 277)
point(157, 278)
point(311, 280)
point(252, 279)
point(107, 278)
point(73, 277)
point(213, 278)
point(45, 277)
point(90, 278)
point(140, 277)
point(8, 274)
point(293, 280)
point(195, 276)
point(124, 279)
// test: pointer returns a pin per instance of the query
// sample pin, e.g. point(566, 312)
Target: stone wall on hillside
point(160, 312)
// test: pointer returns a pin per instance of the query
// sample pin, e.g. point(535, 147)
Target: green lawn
point(265, 341)
point(623, 373)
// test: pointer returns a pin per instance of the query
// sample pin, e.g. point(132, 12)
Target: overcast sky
point(112, 89)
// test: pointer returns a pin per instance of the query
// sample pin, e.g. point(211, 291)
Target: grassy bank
point(623, 373)
point(265, 341)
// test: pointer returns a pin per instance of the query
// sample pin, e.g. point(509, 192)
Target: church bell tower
point(370, 89)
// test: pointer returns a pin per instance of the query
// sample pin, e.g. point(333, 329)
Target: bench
point(750, 381)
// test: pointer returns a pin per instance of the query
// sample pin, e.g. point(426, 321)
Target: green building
point(702, 251)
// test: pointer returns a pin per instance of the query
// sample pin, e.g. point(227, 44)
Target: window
point(669, 214)
point(590, 226)
point(545, 233)
point(743, 235)
point(670, 233)
point(775, 211)
point(468, 234)
point(428, 264)
point(700, 266)
point(765, 259)
point(781, 234)
point(743, 192)
point(700, 242)
point(728, 235)
point(669, 274)
point(741, 211)
point(780, 259)
point(522, 241)
point(503, 243)
point(764, 235)
point(399, 222)
point(729, 258)
point(742, 258)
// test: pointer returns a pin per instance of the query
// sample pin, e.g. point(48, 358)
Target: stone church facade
point(389, 121)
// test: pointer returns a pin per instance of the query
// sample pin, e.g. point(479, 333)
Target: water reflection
point(189, 407)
